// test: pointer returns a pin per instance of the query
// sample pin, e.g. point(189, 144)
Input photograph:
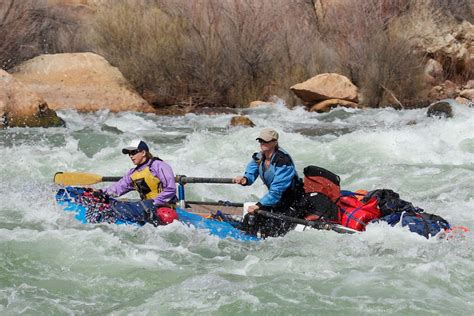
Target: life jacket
point(355, 214)
point(146, 183)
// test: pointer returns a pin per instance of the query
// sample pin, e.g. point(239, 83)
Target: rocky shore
point(33, 90)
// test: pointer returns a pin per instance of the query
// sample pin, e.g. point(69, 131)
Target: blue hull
point(67, 198)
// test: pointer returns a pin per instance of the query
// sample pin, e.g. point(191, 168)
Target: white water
point(50, 264)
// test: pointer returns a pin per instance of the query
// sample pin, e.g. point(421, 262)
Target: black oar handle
point(184, 179)
point(111, 179)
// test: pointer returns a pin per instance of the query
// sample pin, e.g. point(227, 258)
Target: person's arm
point(166, 175)
point(120, 187)
point(251, 172)
point(282, 180)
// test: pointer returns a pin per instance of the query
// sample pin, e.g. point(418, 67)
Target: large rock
point(467, 94)
point(20, 107)
point(81, 81)
point(327, 105)
point(241, 120)
point(434, 70)
point(258, 103)
point(324, 87)
point(441, 109)
point(451, 44)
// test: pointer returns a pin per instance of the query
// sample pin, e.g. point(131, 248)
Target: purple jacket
point(158, 168)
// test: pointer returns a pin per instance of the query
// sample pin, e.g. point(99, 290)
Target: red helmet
point(166, 215)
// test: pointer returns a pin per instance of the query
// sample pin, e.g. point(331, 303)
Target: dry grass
point(30, 28)
point(230, 52)
point(380, 62)
point(216, 52)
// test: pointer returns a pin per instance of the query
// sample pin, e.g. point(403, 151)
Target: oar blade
point(76, 178)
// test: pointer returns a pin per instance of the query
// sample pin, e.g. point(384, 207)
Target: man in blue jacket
point(277, 171)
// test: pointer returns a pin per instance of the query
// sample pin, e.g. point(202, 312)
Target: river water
point(52, 265)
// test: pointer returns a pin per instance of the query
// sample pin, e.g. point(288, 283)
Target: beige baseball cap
point(268, 134)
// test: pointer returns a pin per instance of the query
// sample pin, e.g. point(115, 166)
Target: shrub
point(215, 52)
point(29, 29)
point(380, 62)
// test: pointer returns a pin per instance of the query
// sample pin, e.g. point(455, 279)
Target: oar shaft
point(218, 203)
point(314, 224)
point(111, 179)
point(184, 179)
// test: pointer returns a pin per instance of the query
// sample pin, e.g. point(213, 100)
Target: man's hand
point(240, 180)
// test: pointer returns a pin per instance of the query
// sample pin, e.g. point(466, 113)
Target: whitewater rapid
point(51, 264)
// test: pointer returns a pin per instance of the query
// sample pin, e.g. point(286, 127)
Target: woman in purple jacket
point(153, 179)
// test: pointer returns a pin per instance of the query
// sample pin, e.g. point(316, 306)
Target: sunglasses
point(261, 141)
point(133, 152)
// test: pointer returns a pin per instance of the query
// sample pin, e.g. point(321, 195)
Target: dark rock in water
point(111, 129)
point(241, 121)
point(440, 109)
point(45, 117)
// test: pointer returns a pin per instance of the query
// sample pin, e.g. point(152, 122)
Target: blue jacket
point(278, 177)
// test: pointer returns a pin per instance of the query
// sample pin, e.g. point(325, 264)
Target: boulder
point(446, 90)
point(327, 105)
point(461, 100)
point(257, 103)
point(452, 44)
point(469, 85)
point(80, 81)
point(468, 94)
point(433, 71)
point(20, 107)
point(440, 109)
point(324, 87)
point(241, 120)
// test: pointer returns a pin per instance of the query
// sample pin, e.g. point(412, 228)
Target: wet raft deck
point(205, 210)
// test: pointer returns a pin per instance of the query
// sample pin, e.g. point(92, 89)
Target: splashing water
point(51, 264)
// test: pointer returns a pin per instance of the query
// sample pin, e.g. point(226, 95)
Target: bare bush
point(460, 9)
point(381, 63)
point(216, 52)
point(30, 28)
point(231, 52)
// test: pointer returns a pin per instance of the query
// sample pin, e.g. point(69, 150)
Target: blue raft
point(68, 198)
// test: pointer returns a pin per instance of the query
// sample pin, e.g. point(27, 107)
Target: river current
point(50, 264)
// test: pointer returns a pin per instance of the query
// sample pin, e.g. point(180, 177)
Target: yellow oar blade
point(76, 178)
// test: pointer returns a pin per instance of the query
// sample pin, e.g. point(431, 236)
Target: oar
point(84, 178)
point(216, 203)
point(81, 178)
point(184, 179)
point(315, 224)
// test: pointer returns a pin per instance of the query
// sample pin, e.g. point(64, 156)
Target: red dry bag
point(355, 214)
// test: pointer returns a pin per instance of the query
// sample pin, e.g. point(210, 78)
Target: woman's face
point(138, 156)
point(265, 146)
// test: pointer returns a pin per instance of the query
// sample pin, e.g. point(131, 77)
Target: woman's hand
point(252, 209)
point(240, 180)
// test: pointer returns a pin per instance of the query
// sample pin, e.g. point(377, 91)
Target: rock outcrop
point(327, 105)
point(441, 109)
point(80, 81)
point(241, 120)
point(324, 87)
point(20, 107)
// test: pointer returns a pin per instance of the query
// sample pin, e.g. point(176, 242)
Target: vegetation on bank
point(214, 52)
